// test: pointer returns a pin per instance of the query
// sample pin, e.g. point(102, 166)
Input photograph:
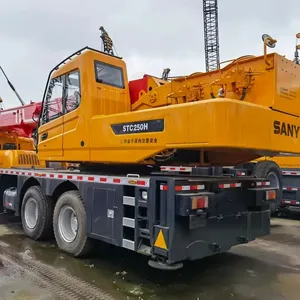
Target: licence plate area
point(197, 221)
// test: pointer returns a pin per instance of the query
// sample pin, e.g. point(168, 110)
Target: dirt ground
point(267, 268)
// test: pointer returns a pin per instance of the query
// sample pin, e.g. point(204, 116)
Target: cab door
point(50, 133)
point(76, 137)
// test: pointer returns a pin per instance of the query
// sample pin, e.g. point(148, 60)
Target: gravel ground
point(267, 268)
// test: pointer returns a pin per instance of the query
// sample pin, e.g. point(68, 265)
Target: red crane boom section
point(20, 120)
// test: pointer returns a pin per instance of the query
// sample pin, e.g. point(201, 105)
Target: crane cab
point(86, 84)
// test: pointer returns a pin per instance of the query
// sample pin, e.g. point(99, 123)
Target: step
point(142, 203)
point(145, 233)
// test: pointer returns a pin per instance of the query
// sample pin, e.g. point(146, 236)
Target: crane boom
point(12, 87)
point(211, 34)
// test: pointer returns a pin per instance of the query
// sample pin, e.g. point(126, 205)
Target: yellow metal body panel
point(18, 152)
point(276, 86)
point(53, 145)
point(19, 158)
point(7, 141)
point(283, 161)
point(234, 129)
point(257, 117)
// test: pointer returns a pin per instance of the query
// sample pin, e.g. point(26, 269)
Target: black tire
point(43, 228)
point(270, 169)
point(81, 245)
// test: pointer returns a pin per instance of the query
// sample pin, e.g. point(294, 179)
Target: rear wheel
point(270, 170)
point(70, 224)
point(36, 214)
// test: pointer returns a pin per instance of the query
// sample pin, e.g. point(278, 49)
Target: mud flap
point(258, 224)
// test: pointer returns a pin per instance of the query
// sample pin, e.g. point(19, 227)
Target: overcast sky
point(149, 34)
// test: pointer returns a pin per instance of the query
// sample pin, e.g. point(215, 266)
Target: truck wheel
point(270, 170)
point(36, 214)
point(70, 224)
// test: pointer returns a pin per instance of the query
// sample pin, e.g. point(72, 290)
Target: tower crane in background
point(211, 34)
point(211, 38)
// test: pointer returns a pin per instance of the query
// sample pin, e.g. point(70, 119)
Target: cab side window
point(109, 74)
point(73, 93)
point(52, 106)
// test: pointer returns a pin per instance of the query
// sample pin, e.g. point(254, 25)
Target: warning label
point(160, 241)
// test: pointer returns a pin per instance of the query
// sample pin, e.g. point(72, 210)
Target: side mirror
point(77, 97)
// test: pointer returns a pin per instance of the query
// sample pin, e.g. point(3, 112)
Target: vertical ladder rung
point(128, 244)
point(127, 200)
point(129, 222)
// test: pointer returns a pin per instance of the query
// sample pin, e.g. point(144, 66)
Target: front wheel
point(270, 170)
point(70, 224)
point(36, 214)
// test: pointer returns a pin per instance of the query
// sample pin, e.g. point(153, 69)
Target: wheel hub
point(31, 213)
point(67, 224)
point(274, 180)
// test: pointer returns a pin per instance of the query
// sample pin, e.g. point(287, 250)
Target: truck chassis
point(170, 218)
point(286, 181)
point(290, 190)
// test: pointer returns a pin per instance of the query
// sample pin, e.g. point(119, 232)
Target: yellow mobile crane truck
point(121, 132)
point(286, 180)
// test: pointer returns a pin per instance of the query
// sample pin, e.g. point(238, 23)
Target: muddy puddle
point(37, 270)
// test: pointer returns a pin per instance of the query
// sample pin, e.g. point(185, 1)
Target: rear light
point(199, 202)
point(271, 195)
point(241, 173)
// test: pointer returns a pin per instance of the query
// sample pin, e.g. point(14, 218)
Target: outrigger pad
point(163, 266)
